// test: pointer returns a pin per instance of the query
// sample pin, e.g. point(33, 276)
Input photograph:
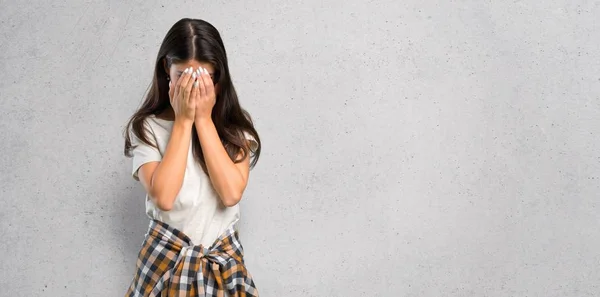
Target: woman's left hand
point(206, 97)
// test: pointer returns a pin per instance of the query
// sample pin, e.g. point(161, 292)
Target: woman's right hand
point(181, 96)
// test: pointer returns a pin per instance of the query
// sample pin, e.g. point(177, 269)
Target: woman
point(192, 147)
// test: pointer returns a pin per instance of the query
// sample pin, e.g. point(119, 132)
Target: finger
point(201, 82)
point(171, 93)
point(188, 87)
point(175, 88)
point(209, 84)
point(199, 74)
point(198, 83)
point(183, 81)
point(177, 85)
point(195, 92)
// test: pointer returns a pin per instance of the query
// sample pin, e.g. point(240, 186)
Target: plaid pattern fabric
point(169, 265)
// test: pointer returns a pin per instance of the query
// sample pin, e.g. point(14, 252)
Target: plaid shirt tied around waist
point(169, 265)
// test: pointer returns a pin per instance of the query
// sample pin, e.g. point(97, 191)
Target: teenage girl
point(192, 147)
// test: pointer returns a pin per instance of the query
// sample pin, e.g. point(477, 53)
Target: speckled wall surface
point(411, 148)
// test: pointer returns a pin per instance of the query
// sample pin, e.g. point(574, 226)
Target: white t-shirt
point(198, 211)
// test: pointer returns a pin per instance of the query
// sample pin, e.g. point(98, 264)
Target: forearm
point(225, 177)
point(168, 176)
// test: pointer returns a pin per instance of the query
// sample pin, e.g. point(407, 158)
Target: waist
point(201, 223)
point(168, 259)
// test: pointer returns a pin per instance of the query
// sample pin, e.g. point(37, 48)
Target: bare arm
point(228, 178)
point(163, 180)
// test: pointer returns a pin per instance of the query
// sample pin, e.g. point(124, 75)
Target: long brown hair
point(190, 39)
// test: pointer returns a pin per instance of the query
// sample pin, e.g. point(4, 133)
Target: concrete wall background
point(411, 148)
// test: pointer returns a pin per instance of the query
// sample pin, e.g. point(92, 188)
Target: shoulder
point(151, 128)
point(147, 124)
point(158, 127)
point(152, 122)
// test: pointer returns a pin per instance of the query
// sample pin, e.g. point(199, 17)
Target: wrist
point(202, 120)
point(184, 123)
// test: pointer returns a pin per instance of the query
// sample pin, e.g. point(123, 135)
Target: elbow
point(163, 203)
point(231, 195)
point(231, 200)
point(164, 206)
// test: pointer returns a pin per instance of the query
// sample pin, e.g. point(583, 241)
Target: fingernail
point(194, 75)
point(205, 71)
point(195, 84)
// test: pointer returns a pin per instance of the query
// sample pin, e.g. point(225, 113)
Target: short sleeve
point(142, 152)
point(253, 143)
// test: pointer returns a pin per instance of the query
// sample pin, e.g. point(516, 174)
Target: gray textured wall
point(411, 148)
